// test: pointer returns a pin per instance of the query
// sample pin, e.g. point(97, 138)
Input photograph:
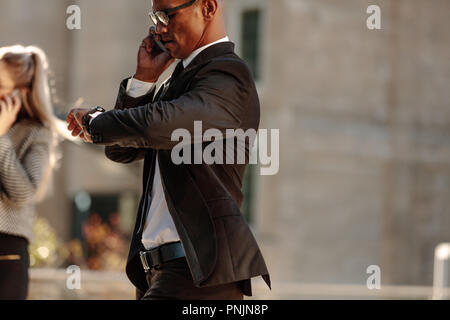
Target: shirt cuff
point(137, 88)
point(93, 116)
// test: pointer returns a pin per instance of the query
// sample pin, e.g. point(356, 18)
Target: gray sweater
point(24, 157)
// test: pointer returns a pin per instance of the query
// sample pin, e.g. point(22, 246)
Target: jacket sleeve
point(117, 153)
point(20, 178)
point(217, 96)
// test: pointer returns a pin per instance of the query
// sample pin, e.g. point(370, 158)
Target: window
point(250, 40)
point(101, 230)
point(247, 25)
point(247, 190)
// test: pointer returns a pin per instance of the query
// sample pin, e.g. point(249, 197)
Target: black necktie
point(162, 91)
point(179, 68)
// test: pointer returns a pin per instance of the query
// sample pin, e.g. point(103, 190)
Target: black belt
point(154, 258)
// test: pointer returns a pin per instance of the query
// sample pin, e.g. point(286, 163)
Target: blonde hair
point(28, 68)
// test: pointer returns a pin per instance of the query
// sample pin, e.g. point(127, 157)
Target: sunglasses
point(163, 16)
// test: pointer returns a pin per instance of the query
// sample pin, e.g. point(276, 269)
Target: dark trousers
point(173, 281)
point(14, 264)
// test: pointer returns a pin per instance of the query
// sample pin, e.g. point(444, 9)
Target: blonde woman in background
point(28, 136)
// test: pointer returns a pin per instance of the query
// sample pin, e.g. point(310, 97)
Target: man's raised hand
point(152, 62)
point(75, 123)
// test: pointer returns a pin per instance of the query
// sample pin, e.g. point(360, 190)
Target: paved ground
point(52, 284)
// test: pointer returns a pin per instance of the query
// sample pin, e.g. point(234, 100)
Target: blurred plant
point(76, 255)
point(46, 249)
point(106, 244)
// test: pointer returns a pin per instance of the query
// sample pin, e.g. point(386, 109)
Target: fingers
point(9, 104)
point(71, 122)
point(153, 34)
point(73, 125)
point(75, 128)
point(76, 131)
point(76, 115)
point(152, 31)
point(79, 114)
point(69, 117)
point(147, 43)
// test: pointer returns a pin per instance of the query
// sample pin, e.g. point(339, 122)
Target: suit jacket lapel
point(203, 57)
point(210, 53)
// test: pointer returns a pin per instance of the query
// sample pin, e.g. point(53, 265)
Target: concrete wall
point(364, 123)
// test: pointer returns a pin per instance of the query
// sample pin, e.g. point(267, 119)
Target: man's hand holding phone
point(9, 108)
point(152, 60)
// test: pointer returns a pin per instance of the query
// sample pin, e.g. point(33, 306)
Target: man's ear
point(209, 9)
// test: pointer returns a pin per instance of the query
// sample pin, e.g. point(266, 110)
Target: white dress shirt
point(159, 227)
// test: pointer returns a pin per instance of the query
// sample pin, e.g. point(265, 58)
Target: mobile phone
point(161, 46)
point(159, 43)
point(15, 93)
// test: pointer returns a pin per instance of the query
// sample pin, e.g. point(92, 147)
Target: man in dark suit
point(190, 240)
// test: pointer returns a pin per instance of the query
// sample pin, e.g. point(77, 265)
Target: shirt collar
point(195, 53)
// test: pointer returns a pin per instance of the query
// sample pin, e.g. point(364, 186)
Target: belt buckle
point(144, 262)
point(156, 256)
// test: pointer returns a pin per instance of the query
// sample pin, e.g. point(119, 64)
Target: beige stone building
point(364, 120)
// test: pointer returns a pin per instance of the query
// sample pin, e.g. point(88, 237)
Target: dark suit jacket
point(204, 200)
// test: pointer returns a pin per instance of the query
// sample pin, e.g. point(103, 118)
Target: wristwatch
point(87, 117)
